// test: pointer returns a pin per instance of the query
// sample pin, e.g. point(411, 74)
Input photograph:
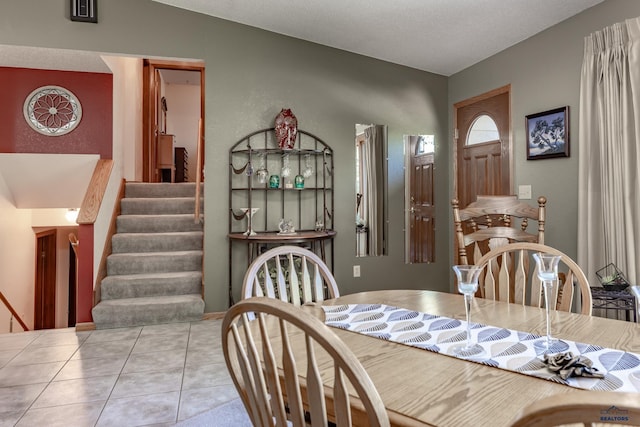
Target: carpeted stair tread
point(151, 284)
point(149, 262)
point(161, 189)
point(148, 310)
point(159, 205)
point(156, 242)
point(157, 223)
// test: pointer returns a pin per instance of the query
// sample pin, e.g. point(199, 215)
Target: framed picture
point(548, 134)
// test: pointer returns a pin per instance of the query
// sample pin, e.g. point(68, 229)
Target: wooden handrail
point(198, 172)
point(13, 312)
point(95, 192)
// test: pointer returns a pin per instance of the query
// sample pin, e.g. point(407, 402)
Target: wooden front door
point(45, 286)
point(483, 164)
point(421, 202)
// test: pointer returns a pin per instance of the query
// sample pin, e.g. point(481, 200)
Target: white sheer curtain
point(374, 187)
point(609, 184)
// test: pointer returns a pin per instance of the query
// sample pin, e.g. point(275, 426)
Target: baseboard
point(213, 316)
point(86, 326)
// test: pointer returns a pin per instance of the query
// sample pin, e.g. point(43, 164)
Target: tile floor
point(141, 376)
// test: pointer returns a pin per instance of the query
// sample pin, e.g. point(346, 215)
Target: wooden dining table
point(421, 387)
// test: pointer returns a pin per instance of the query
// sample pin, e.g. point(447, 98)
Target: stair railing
point(198, 171)
point(14, 314)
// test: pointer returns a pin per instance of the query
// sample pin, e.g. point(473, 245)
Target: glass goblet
point(547, 266)
point(467, 276)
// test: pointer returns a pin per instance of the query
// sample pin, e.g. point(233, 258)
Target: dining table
point(421, 387)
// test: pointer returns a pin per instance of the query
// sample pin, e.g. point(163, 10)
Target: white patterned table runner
point(504, 348)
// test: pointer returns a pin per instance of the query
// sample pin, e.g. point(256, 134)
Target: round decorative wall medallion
point(52, 110)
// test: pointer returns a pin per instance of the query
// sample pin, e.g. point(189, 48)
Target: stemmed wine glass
point(547, 266)
point(467, 276)
point(308, 170)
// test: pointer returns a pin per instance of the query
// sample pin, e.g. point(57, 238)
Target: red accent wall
point(92, 136)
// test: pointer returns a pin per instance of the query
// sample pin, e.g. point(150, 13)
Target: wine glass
point(286, 169)
point(547, 266)
point(249, 214)
point(262, 173)
point(467, 276)
point(308, 170)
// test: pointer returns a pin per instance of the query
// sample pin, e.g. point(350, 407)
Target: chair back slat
point(281, 281)
point(341, 400)
point(268, 284)
point(520, 277)
point(269, 379)
point(294, 284)
point(307, 293)
point(315, 390)
point(523, 278)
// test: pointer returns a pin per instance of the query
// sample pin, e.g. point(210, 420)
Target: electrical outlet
point(356, 271)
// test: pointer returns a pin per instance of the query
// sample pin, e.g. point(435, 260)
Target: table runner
point(504, 348)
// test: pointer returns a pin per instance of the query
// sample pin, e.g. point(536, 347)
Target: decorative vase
point(286, 128)
point(274, 181)
point(299, 181)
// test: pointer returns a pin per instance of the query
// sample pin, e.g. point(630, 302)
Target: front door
point(483, 146)
point(421, 200)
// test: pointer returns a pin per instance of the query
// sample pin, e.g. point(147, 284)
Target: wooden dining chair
point(582, 408)
point(492, 221)
point(510, 274)
point(275, 373)
point(292, 274)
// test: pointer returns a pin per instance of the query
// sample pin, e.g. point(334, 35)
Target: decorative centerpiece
point(286, 128)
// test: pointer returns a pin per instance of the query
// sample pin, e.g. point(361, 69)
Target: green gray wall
point(250, 75)
point(544, 73)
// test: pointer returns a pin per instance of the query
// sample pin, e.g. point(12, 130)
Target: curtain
point(609, 187)
point(373, 165)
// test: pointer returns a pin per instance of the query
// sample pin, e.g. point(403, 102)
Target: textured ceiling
point(440, 36)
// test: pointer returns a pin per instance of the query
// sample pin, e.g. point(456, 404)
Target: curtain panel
point(609, 127)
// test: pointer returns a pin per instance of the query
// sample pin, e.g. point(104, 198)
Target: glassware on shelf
point(547, 267)
point(467, 276)
point(308, 170)
point(249, 215)
point(286, 169)
point(262, 173)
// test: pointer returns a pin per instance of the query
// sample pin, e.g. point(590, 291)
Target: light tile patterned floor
point(141, 376)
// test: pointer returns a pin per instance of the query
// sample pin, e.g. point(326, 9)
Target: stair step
point(153, 284)
point(157, 223)
point(147, 311)
point(156, 242)
point(161, 189)
point(159, 205)
point(154, 262)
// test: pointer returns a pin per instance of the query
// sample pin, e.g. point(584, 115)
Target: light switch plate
point(524, 192)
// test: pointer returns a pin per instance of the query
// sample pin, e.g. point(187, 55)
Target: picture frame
point(547, 134)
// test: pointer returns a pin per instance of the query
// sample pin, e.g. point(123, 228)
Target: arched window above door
point(483, 129)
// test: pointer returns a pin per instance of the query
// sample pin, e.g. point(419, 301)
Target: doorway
point(482, 150)
point(154, 116)
point(45, 286)
point(420, 215)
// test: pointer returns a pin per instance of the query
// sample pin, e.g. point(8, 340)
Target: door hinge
point(455, 133)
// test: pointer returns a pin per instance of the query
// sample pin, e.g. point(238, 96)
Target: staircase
point(154, 273)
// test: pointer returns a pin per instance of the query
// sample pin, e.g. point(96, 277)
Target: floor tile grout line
point(106, 402)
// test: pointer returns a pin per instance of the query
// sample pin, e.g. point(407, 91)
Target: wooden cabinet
point(165, 159)
point(182, 164)
point(255, 163)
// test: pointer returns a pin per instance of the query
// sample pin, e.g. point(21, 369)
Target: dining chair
point(509, 274)
point(290, 273)
point(582, 408)
point(492, 221)
point(273, 372)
